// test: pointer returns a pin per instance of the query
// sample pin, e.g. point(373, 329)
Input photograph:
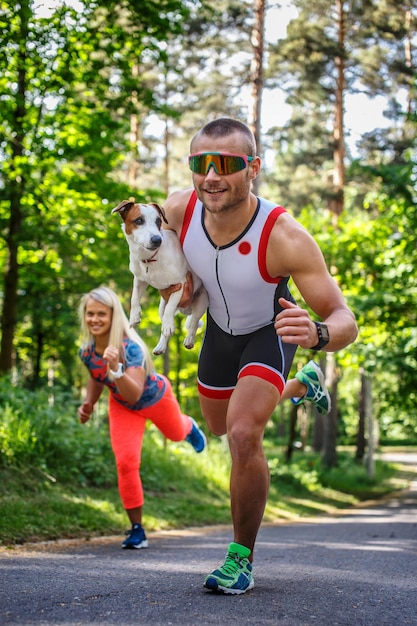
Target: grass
point(182, 489)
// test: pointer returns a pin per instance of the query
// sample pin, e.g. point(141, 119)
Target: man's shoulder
point(179, 198)
point(175, 207)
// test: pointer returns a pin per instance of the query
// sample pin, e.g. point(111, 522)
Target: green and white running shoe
point(312, 376)
point(235, 575)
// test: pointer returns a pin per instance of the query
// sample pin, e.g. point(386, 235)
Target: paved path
point(357, 569)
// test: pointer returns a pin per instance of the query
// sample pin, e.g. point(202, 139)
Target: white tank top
point(242, 295)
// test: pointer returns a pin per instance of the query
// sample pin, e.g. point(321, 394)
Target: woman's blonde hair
point(119, 326)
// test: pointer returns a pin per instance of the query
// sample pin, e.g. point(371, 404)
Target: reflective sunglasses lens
point(232, 164)
point(223, 164)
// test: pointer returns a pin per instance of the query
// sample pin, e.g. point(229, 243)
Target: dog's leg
point(198, 306)
point(168, 324)
point(138, 290)
point(162, 344)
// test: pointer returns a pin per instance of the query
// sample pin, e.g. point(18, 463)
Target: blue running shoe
point(313, 378)
point(136, 538)
point(235, 575)
point(196, 437)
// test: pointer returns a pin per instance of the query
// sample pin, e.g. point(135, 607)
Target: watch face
point(325, 332)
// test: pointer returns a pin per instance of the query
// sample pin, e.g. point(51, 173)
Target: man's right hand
point(187, 294)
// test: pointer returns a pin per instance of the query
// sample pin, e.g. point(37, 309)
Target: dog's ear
point(124, 207)
point(160, 210)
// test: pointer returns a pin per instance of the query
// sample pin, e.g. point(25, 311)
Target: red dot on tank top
point(244, 247)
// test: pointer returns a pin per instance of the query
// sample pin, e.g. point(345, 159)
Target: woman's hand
point(111, 354)
point(84, 412)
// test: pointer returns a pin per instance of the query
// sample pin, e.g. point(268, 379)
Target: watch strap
point(323, 335)
point(119, 372)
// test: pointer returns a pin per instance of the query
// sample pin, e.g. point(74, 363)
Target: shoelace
point(318, 392)
point(231, 564)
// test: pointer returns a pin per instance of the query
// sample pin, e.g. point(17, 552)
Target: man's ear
point(255, 167)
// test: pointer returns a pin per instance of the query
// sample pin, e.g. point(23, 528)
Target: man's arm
point(174, 208)
point(301, 257)
point(295, 325)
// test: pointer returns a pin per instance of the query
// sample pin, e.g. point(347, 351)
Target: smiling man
point(245, 249)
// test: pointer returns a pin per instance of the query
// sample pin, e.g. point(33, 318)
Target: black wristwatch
point(323, 335)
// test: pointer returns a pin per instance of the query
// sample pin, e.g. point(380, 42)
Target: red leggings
point(127, 429)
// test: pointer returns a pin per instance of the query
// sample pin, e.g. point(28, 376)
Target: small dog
point(156, 259)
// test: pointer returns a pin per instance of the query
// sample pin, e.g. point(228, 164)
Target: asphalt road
point(359, 568)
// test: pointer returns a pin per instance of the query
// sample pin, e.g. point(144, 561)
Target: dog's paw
point(135, 318)
point(161, 347)
point(189, 342)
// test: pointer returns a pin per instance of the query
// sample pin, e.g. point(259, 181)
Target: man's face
point(220, 192)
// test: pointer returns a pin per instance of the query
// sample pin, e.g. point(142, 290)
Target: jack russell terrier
point(157, 259)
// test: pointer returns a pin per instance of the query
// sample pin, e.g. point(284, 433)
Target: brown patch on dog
point(126, 205)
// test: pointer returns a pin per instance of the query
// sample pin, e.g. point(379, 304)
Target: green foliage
point(301, 477)
point(307, 476)
point(350, 477)
point(40, 429)
point(57, 477)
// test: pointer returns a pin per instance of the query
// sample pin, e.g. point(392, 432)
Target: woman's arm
point(94, 389)
point(132, 383)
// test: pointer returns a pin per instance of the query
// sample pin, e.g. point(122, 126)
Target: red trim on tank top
point(187, 217)
point(263, 243)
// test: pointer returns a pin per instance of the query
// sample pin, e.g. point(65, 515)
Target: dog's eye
point(139, 221)
point(158, 222)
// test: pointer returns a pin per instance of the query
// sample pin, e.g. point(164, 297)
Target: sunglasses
point(223, 163)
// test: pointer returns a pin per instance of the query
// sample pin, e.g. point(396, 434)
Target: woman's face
point(98, 318)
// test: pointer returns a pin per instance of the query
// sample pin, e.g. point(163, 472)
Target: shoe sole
point(213, 585)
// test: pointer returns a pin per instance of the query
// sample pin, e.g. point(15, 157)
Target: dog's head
point(142, 223)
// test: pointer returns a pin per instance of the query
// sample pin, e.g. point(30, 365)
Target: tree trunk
point(329, 456)
point(318, 432)
point(336, 204)
point(133, 168)
point(370, 460)
point(291, 435)
point(257, 78)
point(360, 436)
point(16, 187)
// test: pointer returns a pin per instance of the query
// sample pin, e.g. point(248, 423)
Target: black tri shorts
point(225, 358)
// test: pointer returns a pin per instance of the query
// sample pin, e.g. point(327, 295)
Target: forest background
point(99, 100)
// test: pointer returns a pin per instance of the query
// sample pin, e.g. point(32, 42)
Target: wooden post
point(370, 460)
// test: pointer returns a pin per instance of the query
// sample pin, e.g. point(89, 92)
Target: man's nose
point(212, 172)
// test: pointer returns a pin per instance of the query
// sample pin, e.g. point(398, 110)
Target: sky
point(361, 113)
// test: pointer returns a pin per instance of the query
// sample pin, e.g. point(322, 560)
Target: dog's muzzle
point(155, 242)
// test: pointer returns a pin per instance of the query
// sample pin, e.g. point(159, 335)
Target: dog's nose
point(156, 241)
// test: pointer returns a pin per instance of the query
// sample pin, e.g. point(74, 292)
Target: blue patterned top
point(154, 384)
